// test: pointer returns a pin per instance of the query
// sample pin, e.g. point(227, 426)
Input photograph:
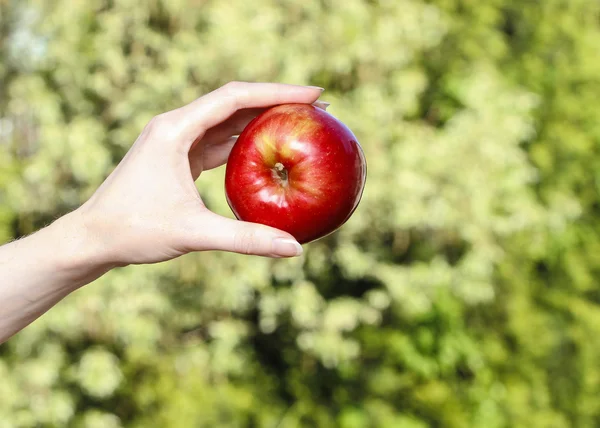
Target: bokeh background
point(463, 291)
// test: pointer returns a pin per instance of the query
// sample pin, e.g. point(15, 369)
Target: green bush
point(462, 292)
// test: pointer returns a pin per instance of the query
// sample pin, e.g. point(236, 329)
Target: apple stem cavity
point(281, 173)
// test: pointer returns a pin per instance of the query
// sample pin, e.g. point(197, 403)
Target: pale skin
point(148, 210)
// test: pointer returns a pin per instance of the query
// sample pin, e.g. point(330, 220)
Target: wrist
point(78, 254)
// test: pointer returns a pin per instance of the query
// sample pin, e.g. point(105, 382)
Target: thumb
point(225, 234)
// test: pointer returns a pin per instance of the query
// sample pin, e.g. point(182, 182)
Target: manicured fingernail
point(316, 87)
point(285, 247)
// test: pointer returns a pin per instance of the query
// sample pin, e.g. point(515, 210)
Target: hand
point(149, 210)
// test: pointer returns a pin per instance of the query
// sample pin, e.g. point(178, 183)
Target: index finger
point(218, 105)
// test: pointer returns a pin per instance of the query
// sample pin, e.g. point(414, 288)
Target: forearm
point(38, 271)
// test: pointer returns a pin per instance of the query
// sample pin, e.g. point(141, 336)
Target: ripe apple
point(297, 168)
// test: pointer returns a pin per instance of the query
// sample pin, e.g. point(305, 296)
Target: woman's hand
point(149, 209)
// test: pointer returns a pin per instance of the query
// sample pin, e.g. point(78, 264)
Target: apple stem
point(281, 173)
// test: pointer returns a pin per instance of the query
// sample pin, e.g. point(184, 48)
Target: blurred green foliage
point(463, 291)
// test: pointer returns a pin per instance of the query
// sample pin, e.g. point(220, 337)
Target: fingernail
point(322, 104)
point(286, 247)
point(316, 87)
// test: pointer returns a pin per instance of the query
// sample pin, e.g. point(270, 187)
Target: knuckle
point(233, 86)
point(163, 126)
point(235, 92)
point(161, 119)
point(245, 242)
point(156, 123)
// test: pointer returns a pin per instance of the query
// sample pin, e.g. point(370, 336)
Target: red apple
point(297, 168)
